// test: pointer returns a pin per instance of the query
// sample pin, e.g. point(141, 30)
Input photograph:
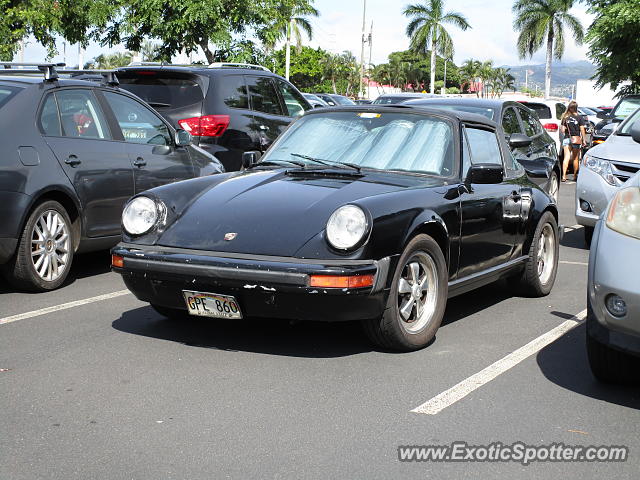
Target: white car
point(549, 112)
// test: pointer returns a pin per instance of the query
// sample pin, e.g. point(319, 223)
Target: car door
point(269, 118)
point(148, 141)
point(491, 213)
point(98, 167)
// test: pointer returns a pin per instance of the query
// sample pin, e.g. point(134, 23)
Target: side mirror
point(183, 138)
point(617, 120)
point(249, 159)
point(519, 140)
point(602, 115)
point(635, 132)
point(485, 173)
point(317, 105)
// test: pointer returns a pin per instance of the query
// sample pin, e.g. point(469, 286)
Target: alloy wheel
point(417, 292)
point(50, 245)
point(546, 254)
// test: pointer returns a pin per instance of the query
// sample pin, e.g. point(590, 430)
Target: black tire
point(612, 366)
point(588, 236)
point(530, 283)
point(389, 331)
point(171, 313)
point(20, 271)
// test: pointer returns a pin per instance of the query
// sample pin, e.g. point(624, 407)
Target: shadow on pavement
point(574, 239)
point(564, 362)
point(473, 302)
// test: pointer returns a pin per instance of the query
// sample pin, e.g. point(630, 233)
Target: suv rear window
point(627, 106)
point(7, 93)
point(540, 108)
point(162, 89)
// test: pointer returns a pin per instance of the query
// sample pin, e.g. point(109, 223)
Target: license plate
point(211, 305)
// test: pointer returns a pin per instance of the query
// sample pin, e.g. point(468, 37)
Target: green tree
point(540, 21)
point(291, 21)
point(111, 61)
point(469, 73)
point(614, 43)
point(427, 32)
point(308, 68)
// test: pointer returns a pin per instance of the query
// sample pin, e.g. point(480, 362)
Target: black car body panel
point(260, 234)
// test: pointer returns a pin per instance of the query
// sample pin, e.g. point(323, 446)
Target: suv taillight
point(206, 126)
point(550, 127)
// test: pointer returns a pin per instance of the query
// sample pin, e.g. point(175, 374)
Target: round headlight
point(346, 227)
point(140, 215)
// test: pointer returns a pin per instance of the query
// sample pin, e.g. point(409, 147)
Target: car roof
point(410, 94)
point(37, 79)
point(404, 108)
point(476, 102)
point(199, 69)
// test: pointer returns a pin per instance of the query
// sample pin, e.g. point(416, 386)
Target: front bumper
point(614, 261)
point(592, 188)
point(264, 286)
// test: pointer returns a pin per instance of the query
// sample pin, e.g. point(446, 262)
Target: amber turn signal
point(333, 281)
point(117, 261)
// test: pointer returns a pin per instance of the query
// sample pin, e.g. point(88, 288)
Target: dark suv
point(228, 108)
point(73, 152)
point(610, 120)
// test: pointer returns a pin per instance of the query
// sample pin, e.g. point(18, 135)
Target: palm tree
point(540, 20)
point(426, 29)
point(469, 73)
point(290, 22)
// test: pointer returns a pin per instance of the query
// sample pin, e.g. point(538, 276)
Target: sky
point(339, 28)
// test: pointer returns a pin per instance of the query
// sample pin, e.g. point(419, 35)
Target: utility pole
point(370, 55)
point(21, 52)
point(364, 40)
point(80, 57)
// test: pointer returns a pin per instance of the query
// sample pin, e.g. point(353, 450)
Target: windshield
point(385, 141)
point(487, 112)
point(340, 100)
point(626, 107)
point(6, 93)
point(390, 100)
point(625, 128)
point(540, 108)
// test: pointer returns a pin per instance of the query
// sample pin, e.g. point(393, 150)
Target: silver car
point(604, 169)
point(613, 299)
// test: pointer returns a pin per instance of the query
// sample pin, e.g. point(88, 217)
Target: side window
point(49, 119)
point(263, 95)
point(233, 92)
point(510, 123)
point(560, 109)
point(80, 115)
point(137, 123)
point(532, 125)
point(466, 155)
point(294, 102)
point(484, 146)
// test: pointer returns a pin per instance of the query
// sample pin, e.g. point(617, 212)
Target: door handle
point(515, 196)
point(72, 161)
point(139, 162)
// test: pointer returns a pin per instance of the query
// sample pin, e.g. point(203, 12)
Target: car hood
point(275, 212)
point(618, 148)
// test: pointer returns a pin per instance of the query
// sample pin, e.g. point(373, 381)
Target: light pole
point(364, 40)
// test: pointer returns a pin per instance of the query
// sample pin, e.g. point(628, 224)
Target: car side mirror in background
point(485, 173)
point(519, 140)
point(635, 131)
point(317, 105)
point(183, 138)
point(602, 115)
point(249, 159)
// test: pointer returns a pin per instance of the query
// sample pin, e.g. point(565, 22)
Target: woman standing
point(574, 139)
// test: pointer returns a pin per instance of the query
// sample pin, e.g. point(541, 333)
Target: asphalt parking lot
point(95, 384)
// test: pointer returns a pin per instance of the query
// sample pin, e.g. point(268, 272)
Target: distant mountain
point(563, 75)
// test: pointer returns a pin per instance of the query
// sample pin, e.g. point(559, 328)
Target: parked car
point(315, 101)
point(611, 119)
point(538, 155)
point(549, 113)
point(333, 99)
point(363, 101)
point(229, 108)
point(613, 299)
point(402, 209)
point(394, 98)
point(604, 169)
point(74, 152)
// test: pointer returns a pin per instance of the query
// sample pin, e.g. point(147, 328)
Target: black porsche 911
point(369, 213)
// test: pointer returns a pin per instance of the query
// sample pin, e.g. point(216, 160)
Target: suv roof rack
point(238, 65)
point(48, 69)
point(51, 72)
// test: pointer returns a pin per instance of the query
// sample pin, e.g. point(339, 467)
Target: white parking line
point(572, 228)
point(465, 387)
point(63, 306)
point(567, 262)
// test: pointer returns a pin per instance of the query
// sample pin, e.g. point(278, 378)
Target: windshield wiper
point(328, 163)
point(281, 162)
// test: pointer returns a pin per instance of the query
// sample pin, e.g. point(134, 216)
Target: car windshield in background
point(7, 93)
point(160, 90)
point(625, 128)
point(391, 100)
point(540, 108)
point(342, 100)
point(487, 112)
point(385, 141)
point(627, 107)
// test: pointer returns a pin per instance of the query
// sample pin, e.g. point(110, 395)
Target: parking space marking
point(572, 228)
point(465, 387)
point(63, 306)
point(567, 262)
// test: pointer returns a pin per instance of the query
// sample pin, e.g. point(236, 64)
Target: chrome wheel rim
point(50, 245)
point(417, 293)
point(546, 254)
point(554, 187)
